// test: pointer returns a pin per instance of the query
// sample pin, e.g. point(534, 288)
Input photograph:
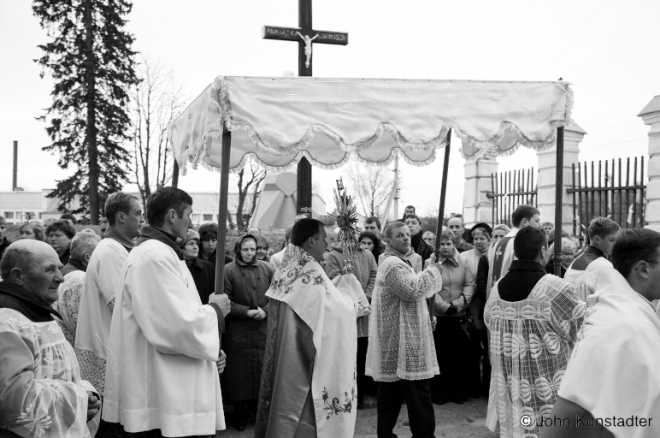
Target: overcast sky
point(605, 48)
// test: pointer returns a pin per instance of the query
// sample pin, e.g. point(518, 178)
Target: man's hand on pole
point(222, 300)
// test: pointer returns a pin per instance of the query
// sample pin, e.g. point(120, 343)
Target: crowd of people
point(120, 334)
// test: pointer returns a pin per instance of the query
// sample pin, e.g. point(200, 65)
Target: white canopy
point(279, 120)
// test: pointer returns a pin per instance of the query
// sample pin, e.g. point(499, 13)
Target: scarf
point(26, 303)
point(237, 249)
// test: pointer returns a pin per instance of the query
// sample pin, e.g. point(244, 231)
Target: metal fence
point(609, 189)
point(511, 189)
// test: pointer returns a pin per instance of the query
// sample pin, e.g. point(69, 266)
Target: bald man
point(38, 367)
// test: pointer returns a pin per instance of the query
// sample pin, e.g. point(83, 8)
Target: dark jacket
point(420, 246)
point(3, 246)
point(245, 338)
point(481, 285)
point(64, 258)
point(203, 273)
point(18, 299)
point(550, 269)
point(211, 258)
point(518, 283)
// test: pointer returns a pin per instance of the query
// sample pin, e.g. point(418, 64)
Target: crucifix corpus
point(305, 36)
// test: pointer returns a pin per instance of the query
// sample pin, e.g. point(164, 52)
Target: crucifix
point(306, 37)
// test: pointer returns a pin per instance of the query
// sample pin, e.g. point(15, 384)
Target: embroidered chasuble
point(499, 259)
point(308, 384)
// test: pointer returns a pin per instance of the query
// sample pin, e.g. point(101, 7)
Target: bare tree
point(250, 177)
point(371, 186)
point(157, 101)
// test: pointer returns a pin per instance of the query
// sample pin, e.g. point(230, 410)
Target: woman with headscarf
point(59, 235)
point(246, 282)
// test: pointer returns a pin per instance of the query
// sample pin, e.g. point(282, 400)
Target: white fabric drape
point(329, 121)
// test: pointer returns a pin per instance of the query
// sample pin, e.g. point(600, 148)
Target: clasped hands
point(257, 314)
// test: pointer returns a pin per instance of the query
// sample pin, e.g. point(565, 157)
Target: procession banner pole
point(559, 191)
point(222, 213)
point(175, 174)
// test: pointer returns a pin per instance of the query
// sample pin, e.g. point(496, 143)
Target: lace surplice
point(530, 344)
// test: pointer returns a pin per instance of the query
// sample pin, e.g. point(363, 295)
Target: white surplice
point(163, 348)
point(530, 343)
point(613, 371)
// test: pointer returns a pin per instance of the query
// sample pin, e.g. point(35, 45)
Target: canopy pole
point(441, 213)
point(443, 193)
point(222, 214)
point(175, 174)
point(559, 191)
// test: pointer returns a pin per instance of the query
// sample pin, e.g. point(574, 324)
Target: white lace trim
point(221, 99)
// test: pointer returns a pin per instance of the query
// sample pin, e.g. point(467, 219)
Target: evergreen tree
point(92, 63)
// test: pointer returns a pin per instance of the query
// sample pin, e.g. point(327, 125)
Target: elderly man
point(103, 281)
point(69, 292)
point(41, 392)
point(611, 386)
point(162, 378)
point(308, 384)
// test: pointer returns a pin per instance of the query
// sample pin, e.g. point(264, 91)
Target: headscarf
point(237, 248)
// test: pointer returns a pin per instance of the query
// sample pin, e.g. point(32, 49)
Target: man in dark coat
point(246, 282)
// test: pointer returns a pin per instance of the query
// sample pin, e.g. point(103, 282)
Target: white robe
point(585, 281)
point(163, 346)
point(102, 283)
point(613, 371)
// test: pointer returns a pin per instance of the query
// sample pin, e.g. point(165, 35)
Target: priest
point(308, 386)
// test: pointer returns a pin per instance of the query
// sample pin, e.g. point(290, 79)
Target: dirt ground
point(452, 421)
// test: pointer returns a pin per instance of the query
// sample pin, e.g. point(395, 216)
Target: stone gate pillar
point(651, 116)
point(547, 179)
point(477, 207)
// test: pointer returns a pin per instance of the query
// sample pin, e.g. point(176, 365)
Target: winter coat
point(245, 338)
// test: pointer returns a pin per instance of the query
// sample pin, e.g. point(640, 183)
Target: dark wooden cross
point(306, 37)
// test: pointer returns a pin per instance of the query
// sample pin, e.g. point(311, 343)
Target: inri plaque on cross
point(306, 37)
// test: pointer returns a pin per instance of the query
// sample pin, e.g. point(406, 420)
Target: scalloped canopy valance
point(330, 121)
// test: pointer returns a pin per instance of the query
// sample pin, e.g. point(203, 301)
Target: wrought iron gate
point(610, 191)
point(511, 189)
